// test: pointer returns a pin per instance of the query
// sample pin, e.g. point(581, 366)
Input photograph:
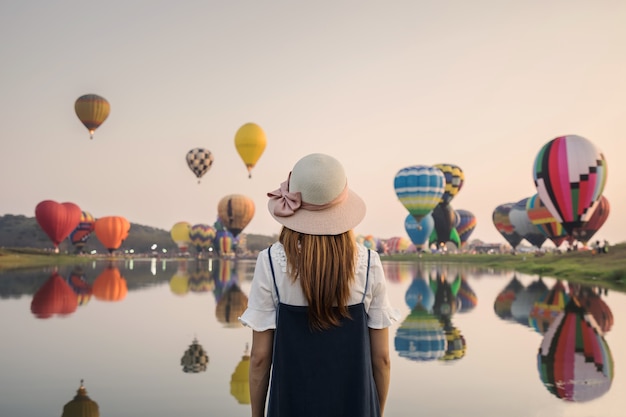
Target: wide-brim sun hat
point(316, 199)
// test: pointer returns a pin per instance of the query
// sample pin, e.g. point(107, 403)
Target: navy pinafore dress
point(321, 373)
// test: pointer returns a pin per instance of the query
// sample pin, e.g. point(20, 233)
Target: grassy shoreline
point(605, 269)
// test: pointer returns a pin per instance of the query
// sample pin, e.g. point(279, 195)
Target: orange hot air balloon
point(111, 231)
point(235, 212)
point(110, 285)
point(250, 141)
point(57, 220)
point(92, 110)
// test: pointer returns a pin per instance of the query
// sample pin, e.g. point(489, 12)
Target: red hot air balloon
point(111, 231)
point(57, 220)
point(570, 174)
point(597, 219)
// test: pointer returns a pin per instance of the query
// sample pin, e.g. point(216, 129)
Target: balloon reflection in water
point(466, 297)
point(55, 297)
point(525, 300)
point(81, 287)
point(81, 405)
point(419, 293)
point(195, 358)
point(420, 337)
point(504, 300)
point(201, 280)
point(591, 301)
point(231, 300)
point(445, 306)
point(110, 285)
point(399, 271)
point(240, 381)
point(574, 360)
point(179, 283)
point(546, 309)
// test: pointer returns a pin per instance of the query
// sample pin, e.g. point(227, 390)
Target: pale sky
point(380, 85)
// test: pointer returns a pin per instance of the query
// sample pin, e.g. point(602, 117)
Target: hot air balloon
point(195, 358)
point(80, 235)
point(55, 297)
point(419, 188)
point(574, 361)
point(502, 222)
point(110, 285)
point(224, 242)
point(466, 225)
point(506, 297)
point(235, 212)
point(419, 232)
point(541, 217)
point(585, 232)
point(57, 220)
point(250, 142)
point(180, 235)
point(570, 174)
point(92, 110)
point(454, 181)
point(397, 244)
point(202, 236)
point(518, 216)
point(199, 161)
point(444, 231)
point(591, 301)
point(111, 231)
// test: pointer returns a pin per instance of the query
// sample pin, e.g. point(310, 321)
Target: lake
point(161, 338)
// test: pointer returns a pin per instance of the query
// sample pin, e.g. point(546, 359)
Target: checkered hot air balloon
point(199, 161)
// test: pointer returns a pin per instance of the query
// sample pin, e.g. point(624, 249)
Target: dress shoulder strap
point(367, 274)
point(269, 255)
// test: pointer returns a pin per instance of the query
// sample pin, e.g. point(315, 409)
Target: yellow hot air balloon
point(92, 110)
point(235, 212)
point(180, 235)
point(250, 142)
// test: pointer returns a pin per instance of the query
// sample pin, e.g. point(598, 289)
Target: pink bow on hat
point(288, 202)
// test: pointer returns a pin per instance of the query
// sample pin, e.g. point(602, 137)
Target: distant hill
point(18, 231)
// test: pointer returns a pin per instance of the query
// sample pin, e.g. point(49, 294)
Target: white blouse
point(263, 300)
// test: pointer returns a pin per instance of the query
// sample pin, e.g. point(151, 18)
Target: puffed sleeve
point(381, 314)
point(261, 312)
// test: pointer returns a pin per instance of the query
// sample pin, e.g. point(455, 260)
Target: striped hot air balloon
point(419, 188)
point(92, 110)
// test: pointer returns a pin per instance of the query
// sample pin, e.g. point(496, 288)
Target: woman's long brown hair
point(325, 266)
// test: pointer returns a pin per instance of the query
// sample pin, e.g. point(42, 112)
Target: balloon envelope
point(57, 220)
point(92, 110)
point(202, 236)
point(503, 224)
point(111, 231)
point(199, 161)
point(523, 226)
point(419, 232)
point(419, 188)
point(235, 212)
point(466, 225)
point(585, 232)
point(541, 217)
point(570, 174)
point(454, 181)
point(250, 141)
point(180, 235)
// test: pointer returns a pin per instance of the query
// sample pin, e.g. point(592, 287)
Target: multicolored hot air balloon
point(111, 231)
point(92, 110)
point(546, 309)
point(419, 232)
point(80, 235)
point(506, 297)
point(420, 337)
point(522, 225)
point(57, 220)
point(585, 232)
point(202, 236)
point(250, 141)
point(574, 361)
point(502, 222)
point(195, 359)
point(180, 235)
point(466, 225)
point(541, 217)
point(419, 188)
point(235, 212)
point(570, 174)
point(199, 161)
point(454, 177)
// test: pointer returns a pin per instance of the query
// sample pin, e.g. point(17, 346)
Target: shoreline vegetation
point(586, 267)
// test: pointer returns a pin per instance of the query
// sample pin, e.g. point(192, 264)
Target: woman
point(318, 306)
